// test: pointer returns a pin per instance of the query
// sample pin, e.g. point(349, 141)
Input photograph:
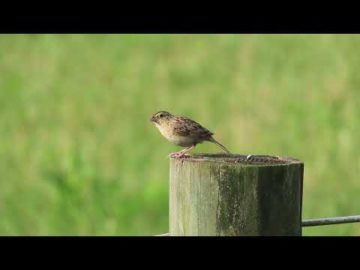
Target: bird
point(183, 131)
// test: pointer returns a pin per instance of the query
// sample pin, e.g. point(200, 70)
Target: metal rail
point(329, 221)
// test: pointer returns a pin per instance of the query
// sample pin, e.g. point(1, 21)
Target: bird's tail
point(219, 144)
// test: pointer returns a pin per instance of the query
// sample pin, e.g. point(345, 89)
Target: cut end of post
point(265, 160)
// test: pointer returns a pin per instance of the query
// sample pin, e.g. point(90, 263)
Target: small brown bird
point(182, 131)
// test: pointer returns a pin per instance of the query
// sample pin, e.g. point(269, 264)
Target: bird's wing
point(186, 127)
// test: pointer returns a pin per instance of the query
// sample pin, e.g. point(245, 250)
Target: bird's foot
point(177, 155)
point(248, 157)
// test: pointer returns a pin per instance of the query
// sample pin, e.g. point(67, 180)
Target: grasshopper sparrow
point(182, 131)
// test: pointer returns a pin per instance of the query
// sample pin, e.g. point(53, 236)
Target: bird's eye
point(161, 115)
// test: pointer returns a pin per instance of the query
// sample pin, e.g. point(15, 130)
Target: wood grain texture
point(225, 195)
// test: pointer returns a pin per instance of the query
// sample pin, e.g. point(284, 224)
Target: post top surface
point(265, 160)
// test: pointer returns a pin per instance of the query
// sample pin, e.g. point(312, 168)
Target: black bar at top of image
point(232, 23)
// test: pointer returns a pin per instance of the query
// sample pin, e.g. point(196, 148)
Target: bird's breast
point(169, 134)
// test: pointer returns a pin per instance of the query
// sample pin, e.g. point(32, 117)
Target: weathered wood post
point(229, 195)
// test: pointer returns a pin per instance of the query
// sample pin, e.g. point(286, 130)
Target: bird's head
point(161, 117)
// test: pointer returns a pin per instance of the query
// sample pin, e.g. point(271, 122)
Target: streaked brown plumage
point(182, 131)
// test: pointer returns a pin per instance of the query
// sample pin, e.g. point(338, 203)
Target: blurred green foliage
point(78, 155)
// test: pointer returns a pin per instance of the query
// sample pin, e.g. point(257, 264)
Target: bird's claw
point(248, 157)
point(177, 155)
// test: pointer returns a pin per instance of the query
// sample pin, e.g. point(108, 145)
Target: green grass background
point(78, 155)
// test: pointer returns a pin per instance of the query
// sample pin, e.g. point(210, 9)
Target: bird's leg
point(182, 152)
point(186, 150)
point(179, 154)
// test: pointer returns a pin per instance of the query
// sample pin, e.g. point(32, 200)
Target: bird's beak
point(152, 119)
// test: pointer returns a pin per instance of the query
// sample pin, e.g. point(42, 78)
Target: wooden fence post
point(230, 195)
